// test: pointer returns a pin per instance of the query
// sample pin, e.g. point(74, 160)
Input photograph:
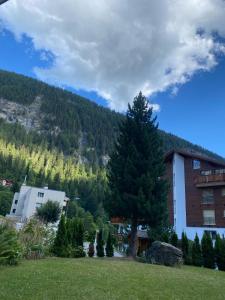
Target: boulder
point(164, 254)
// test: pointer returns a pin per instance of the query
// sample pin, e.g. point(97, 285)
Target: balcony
point(211, 178)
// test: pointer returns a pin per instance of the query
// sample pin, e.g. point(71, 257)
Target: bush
point(49, 212)
point(196, 252)
point(78, 252)
point(10, 250)
point(91, 250)
point(36, 239)
point(208, 251)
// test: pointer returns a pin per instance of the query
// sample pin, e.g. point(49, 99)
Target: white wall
point(28, 200)
point(179, 199)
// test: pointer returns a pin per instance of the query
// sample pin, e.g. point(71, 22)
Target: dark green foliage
point(174, 239)
point(109, 246)
point(91, 250)
point(220, 252)
point(196, 252)
point(6, 197)
point(208, 256)
point(138, 191)
point(61, 245)
point(49, 212)
point(78, 252)
point(100, 244)
point(10, 250)
point(185, 248)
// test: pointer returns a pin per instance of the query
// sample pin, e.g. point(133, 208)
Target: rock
point(164, 254)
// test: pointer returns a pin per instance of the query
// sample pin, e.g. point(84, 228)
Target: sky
point(171, 50)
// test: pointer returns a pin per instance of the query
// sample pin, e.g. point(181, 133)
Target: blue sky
point(195, 112)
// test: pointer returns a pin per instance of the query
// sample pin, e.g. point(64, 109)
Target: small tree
point(49, 212)
point(91, 250)
point(208, 251)
point(109, 246)
point(196, 252)
point(220, 252)
point(60, 247)
point(174, 239)
point(185, 247)
point(100, 244)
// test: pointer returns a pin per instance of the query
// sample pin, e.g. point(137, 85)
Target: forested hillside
point(61, 139)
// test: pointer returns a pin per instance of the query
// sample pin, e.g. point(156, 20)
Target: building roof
point(194, 154)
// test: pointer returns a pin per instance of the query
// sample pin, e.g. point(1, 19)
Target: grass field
point(98, 279)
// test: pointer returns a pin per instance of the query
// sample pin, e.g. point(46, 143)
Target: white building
point(26, 202)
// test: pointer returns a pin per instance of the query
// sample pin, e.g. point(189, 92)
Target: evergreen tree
point(137, 189)
point(196, 252)
point(100, 244)
point(185, 247)
point(60, 247)
point(208, 251)
point(220, 252)
point(174, 239)
point(109, 246)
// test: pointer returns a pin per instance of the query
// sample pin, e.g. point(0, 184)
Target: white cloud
point(118, 48)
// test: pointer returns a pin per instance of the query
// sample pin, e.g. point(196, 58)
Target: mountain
point(57, 137)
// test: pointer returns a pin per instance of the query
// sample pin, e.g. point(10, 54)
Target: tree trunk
point(133, 239)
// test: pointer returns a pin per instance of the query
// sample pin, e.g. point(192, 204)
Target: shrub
point(208, 251)
point(100, 244)
point(10, 250)
point(36, 239)
point(220, 252)
point(49, 212)
point(109, 246)
point(196, 252)
point(78, 252)
point(91, 250)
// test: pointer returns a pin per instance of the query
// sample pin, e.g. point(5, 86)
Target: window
point(196, 164)
point(16, 201)
point(38, 205)
point(206, 173)
point(207, 196)
point(41, 195)
point(14, 210)
point(209, 217)
point(223, 192)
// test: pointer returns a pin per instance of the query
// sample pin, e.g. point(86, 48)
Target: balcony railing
point(210, 177)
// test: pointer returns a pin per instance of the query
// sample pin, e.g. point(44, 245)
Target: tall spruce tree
point(208, 256)
point(60, 247)
point(196, 252)
point(137, 189)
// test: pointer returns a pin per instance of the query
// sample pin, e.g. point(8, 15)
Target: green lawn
point(86, 278)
